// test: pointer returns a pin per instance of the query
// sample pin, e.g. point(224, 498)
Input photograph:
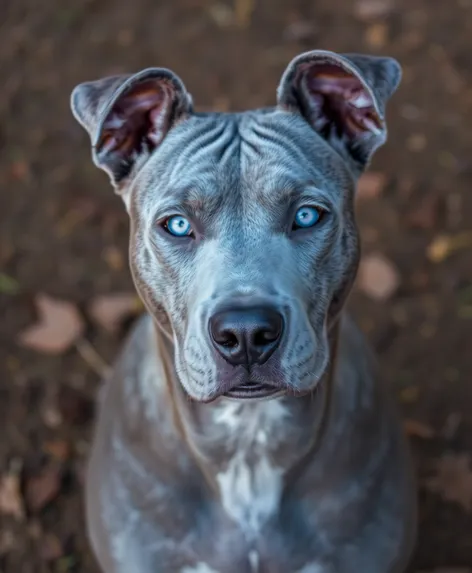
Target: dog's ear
point(343, 97)
point(128, 116)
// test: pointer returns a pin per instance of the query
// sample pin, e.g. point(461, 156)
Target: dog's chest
point(249, 481)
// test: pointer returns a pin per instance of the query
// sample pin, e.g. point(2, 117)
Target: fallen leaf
point(43, 488)
point(418, 429)
point(11, 502)
point(378, 278)
point(59, 325)
point(370, 185)
point(376, 35)
point(110, 310)
point(453, 479)
point(444, 245)
point(114, 258)
point(51, 548)
point(372, 9)
point(8, 285)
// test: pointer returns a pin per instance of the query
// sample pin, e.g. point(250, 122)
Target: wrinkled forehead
point(253, 157)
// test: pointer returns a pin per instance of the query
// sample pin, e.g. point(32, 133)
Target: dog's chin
point(251, 391)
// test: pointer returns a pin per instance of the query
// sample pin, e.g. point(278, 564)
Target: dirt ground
point(64, 233)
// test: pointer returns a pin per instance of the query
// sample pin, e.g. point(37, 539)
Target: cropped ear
point(343, 97)
point(128, 116)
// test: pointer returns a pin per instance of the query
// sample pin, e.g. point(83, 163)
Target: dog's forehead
point(256, 155)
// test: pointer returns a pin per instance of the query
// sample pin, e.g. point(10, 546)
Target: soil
point(64, 233)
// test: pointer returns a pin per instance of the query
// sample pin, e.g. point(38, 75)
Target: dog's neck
point(284, 429)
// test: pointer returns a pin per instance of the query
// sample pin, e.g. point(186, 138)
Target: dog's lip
point(252, 390)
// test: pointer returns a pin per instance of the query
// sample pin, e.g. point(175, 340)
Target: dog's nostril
point(227, 339)
point(266, 335)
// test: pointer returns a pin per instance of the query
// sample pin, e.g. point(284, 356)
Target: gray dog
point(243, 429)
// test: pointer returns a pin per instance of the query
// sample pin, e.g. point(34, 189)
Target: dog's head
point(243, 239)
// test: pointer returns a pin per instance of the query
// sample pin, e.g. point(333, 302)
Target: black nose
point(246, 336)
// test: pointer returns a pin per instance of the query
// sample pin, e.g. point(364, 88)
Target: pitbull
point(244, 429)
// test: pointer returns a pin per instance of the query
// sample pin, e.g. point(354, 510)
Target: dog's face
point(243, 239)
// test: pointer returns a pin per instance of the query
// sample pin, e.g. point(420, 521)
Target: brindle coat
point(182, 478)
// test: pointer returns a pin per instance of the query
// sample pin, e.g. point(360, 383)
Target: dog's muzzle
point(247, 337)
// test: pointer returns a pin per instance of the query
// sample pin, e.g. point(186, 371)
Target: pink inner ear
point(141, 114)
point(343, 100)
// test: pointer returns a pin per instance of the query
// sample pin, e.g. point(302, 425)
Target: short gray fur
point(181, 478)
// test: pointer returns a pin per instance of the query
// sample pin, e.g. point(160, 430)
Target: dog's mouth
point(251, 390)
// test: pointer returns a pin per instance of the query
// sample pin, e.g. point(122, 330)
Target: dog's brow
point(194, 198)
point(288, 192)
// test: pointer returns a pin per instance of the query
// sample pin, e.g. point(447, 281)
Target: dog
point(244, 428)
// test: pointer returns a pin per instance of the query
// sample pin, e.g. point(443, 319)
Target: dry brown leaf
point(453, 479)
point(444, 245)
point(418, 429)
point(11, 502)
point(110, 310)
point(59, 325)
point(114, 258)
point(370, 185)
point(43, 488)
point(376, 35)
point(378, 278)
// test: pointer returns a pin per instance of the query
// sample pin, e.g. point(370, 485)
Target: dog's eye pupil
point(306, 217)
point(178, 226)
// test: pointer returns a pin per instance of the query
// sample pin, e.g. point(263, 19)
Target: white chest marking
point(254, 561)
point(250, 494)
point(312, 568)
point(199, 568)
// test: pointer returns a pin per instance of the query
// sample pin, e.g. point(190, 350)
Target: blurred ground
point(64, 233)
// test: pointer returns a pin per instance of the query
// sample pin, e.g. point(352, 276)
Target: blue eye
point(178, 226)
point(306, 217)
